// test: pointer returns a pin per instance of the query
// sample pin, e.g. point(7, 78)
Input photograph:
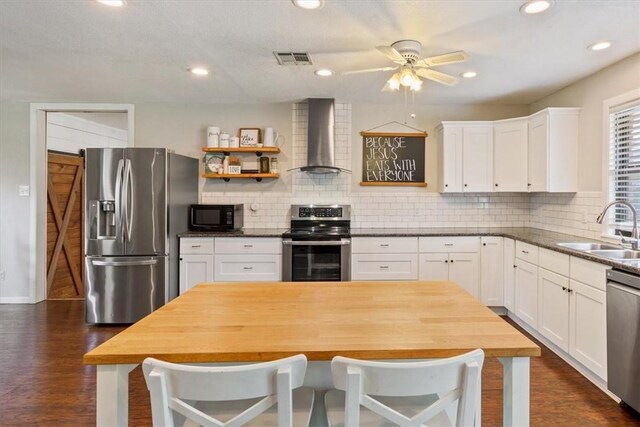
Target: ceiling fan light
point(416, 85)
point(406, 77)
point(469, 74)
point(535, 6)
point(324, 72)
point(199, 71)
point(394, 82)
point(308, 4)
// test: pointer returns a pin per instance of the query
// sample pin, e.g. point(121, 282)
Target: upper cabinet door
point(477, 158)
point(538, 152)
point(451, 160)
point(510, 156)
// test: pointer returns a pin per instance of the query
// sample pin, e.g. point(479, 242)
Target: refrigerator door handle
point(128, 199)
point(124, 263)
point(119, 222)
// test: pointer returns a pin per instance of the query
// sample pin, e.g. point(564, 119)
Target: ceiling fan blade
point(447, 58)
point(369, 70)
point(437, 76)
point(391, 53)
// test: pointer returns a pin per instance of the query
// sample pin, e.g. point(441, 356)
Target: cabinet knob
point(484, 244)
point(465, 185)
point(446, 261)
point(515, 266)
point(180, 259)
point(496, 184)
point(564, 288)
point(446, 185)
point(529, 185)
point(570, 291)
point(451, 261)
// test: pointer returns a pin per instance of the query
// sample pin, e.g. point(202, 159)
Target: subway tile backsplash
point(566, 213)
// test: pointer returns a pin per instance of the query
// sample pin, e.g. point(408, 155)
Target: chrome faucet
point(634, 231)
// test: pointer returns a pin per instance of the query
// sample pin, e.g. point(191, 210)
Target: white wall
point(14, 210)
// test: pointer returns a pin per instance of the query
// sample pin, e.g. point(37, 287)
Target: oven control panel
point(338, 212)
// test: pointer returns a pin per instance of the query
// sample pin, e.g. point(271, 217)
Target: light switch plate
point(23, 190)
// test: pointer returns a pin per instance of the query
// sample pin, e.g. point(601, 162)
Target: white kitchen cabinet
point(384, 258)
point(451, 258)
point(509, 277)
point(510, 155)
point(491, 271)
point(370, 266)
point(466, 157)
point(588, 327)
point(450, 159)
point(553, 314)
point(240, 259)
point(196, 262)
point(526, 292)
point(553, 150)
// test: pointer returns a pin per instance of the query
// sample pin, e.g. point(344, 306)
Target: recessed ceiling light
point(113, 3)
point(199, 71)
point(535, 6)
point(600, 45)
point(469, 74)
point(308, 4)
point(324, 72)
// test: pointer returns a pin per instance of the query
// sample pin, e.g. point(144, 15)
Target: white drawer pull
point(247, 268)
point(248, 246)
point(384, 266)
point(195, 246)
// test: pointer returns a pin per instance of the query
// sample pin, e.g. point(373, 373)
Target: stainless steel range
point(318, 245)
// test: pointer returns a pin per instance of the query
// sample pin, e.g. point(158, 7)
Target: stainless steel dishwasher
point(623, 336)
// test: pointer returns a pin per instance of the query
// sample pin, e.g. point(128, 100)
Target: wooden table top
point(229, 322)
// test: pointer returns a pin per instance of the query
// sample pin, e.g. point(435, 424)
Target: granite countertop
point(542, 238)
point(245, 232)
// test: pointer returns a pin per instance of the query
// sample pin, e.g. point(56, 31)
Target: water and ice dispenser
point(102, 219)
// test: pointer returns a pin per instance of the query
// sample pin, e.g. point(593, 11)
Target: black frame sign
point(395, 159)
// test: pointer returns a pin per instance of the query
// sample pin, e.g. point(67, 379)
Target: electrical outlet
point(23, 190)
point(2, 276)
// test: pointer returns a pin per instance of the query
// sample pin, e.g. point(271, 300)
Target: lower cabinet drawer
point(384, 267)
point(238, 268)
point(196, 245)
point(450, 244)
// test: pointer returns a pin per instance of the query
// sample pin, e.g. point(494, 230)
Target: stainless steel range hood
point(321, 138)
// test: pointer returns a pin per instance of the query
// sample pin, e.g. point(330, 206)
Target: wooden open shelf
point(227, 150)
point(227, 176)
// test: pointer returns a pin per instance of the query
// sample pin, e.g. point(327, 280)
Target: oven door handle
point(342, 242)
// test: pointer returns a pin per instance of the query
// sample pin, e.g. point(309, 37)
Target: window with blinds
point(624, 161)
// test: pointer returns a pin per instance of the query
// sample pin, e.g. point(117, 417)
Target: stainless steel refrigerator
point(136, 202)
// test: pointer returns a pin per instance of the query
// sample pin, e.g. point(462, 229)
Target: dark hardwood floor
point(43, 381)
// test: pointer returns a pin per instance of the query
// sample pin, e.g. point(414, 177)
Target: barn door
point(64, 226)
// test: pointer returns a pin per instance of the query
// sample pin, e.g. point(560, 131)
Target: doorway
point(56, 243)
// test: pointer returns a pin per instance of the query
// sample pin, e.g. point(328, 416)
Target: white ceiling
point(79, 50)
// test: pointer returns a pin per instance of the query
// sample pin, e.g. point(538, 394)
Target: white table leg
point(516, 391)
point(112, 395)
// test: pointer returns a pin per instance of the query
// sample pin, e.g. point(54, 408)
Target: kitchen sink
point(621, 254)
point(589, 246)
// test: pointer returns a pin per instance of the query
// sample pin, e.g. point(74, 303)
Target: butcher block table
point(253, 322)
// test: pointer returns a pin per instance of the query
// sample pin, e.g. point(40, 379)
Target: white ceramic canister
point(270, 137)
point(234, 141)
point(224, 140)
point(213, 136)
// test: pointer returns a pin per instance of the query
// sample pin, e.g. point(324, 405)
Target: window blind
point(624, 161)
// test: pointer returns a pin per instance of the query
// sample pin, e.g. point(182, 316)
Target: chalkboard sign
point(393, 159)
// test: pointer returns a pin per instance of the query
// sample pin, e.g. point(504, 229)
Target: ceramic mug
point(234, 141)
point(270, 137)
point(224, 140)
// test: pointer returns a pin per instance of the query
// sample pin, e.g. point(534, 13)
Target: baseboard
point(500, 311)
point(583, 370)
point(15, 300)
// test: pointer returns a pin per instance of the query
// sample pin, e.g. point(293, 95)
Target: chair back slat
point(171, 385)
point(455, 380)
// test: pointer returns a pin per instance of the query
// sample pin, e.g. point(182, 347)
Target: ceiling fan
point(406, 53)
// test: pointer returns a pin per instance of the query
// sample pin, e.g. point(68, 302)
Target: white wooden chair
point(431, 393)
point(260, 394)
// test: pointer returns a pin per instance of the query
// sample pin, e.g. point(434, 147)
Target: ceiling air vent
point(293, 58)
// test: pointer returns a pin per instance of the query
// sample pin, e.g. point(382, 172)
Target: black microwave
point(216, 217)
